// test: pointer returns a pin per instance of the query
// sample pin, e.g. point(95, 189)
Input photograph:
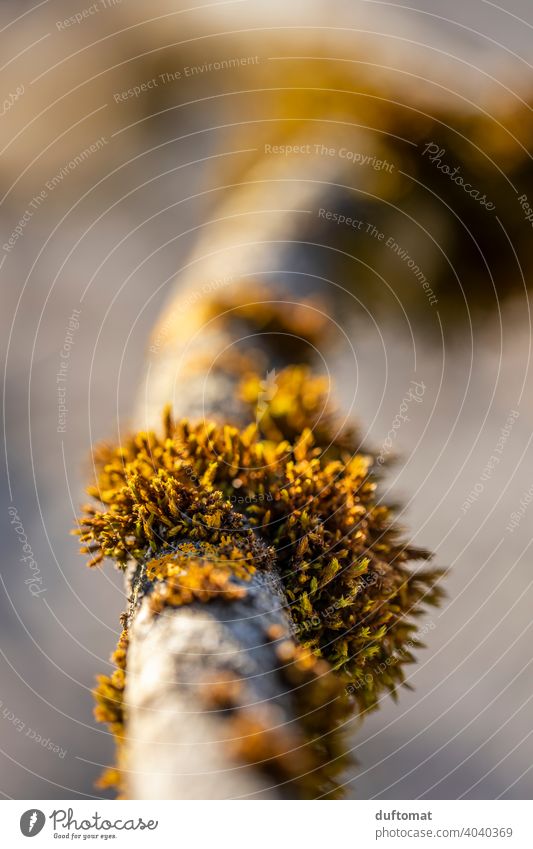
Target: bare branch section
point(188, 671)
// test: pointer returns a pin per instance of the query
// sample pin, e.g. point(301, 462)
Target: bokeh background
point(110, 238)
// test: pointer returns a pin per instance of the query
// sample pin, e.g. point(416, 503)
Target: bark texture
point(178, 749)
point(179, 743)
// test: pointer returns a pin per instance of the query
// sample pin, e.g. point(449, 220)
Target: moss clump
point(109, 697)
point(353, 597)
point(186, 576)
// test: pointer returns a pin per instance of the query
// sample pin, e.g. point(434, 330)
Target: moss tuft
point(193, 502)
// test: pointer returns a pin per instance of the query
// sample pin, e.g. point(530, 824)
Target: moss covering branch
point(203, 509)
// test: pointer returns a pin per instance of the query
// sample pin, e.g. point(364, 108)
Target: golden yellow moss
point(193, 503)
point(109, 698)
point(181, 579)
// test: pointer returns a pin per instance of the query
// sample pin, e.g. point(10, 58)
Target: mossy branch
point(271, 595)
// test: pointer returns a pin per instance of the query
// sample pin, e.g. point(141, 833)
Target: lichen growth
point(169, 501)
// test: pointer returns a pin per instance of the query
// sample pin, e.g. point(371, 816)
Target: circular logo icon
point(32, 822)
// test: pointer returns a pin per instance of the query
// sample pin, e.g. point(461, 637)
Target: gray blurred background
point(109, 240)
